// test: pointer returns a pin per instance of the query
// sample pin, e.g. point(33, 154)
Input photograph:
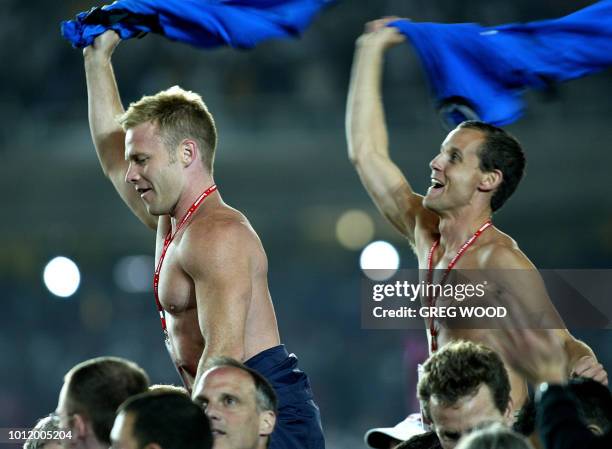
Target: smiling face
point(153, 170)
point(456, 175)
point(228, 397)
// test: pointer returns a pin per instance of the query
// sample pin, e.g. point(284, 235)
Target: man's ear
point(188, 152)
point(267, 420)
point(490, 180)
point(81, 426)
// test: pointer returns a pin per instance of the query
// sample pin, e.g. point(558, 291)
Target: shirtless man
point(210, 281)
point(477, 169)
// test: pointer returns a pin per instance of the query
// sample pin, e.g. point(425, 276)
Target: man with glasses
point(90, 396)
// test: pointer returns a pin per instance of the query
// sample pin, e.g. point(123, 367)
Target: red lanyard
point(169, 237)
point(432, 300)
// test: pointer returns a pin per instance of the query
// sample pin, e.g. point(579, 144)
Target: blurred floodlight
point(379, 260)
point(354, 229)
point(134, 274)
point(62, 277)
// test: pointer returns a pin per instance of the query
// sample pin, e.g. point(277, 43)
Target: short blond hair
point(179, 114)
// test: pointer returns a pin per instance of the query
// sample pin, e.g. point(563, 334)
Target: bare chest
point(440, 261)
point(176, 292)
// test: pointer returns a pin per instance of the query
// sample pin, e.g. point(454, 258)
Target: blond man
point(210, 283)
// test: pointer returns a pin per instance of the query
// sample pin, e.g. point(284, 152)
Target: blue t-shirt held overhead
point(203, 23)
point(487, 68)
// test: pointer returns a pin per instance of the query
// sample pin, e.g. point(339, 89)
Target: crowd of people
point(109, 402)
point(464, 391)
point(242, 389)
point(476, 379)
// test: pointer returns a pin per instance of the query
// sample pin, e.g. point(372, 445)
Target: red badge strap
point(169, 237)
point(432, 300)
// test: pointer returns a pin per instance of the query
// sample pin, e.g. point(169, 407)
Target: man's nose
point(131, 175)
point(212, 412)
point(435, 163)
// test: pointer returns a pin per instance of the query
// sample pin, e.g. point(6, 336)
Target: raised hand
point(588, 366)
point(103, 45)
point(378, 33)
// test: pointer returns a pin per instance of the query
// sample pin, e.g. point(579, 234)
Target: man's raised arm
point(367, 135)
point(104, 106)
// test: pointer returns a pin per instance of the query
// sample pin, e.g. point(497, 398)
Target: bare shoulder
point(502, 252)
point(223, 234)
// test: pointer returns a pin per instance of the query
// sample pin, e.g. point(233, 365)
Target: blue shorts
point(298, 423)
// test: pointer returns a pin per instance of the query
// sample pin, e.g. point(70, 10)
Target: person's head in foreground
point(494, 436)
point(161, 420)
point(45, 435)
point(464, 385)
point(240, 403)
point(593, 403)
point(170, 144)
point(89, 398)
point(479, 165)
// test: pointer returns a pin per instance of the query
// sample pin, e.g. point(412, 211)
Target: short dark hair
point(458, 370)
point(169, 419)
point(264, 393)
point(525, 422)
point(593, 404)
point(500, 151)
point(98, 386)
point(427, 440)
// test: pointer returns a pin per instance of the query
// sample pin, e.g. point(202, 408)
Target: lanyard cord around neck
point(432, 300)
point(169, 237)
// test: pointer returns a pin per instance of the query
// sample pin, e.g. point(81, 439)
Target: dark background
point(282, 161)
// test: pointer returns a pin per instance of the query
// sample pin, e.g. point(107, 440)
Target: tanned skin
point(213, 283)
point(450, 213)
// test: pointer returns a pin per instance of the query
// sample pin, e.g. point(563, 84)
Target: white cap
point(379, 438)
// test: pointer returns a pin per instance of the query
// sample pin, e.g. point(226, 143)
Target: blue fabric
point(489, 67)
point(298, 422)
point(203, 23)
